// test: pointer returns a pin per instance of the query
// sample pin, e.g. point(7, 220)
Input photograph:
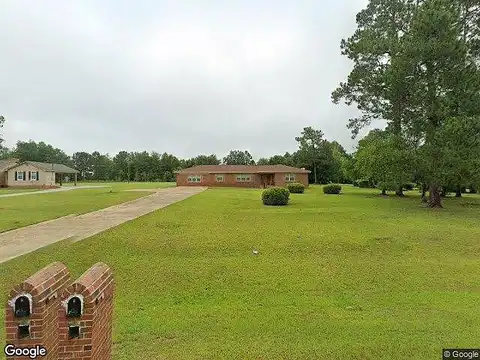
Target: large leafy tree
point(460, 155)
point(169, 164)
point(102, 166)
point(285, 159)
point(415, 65)
point(385, 159)
point(33, 151)
point(238, 157)
point(82, 161)
point(122, 166)
point(201, 160)
point(316, 153)
point(263, 161)
point(342, 163)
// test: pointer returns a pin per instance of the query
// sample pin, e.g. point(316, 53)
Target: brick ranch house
point(255, 176)
point(33, 174)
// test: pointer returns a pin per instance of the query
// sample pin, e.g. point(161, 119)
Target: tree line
point(381, 160)
point(325, 159)
point(415, 65)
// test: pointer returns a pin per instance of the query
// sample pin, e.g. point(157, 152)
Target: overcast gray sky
point(185, 77)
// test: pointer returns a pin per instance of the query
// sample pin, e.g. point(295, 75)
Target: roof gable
point(6, 164)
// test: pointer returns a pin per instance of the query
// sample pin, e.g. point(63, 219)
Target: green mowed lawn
point(19, 211)
point(130, 185)
point(5, 191)
point(352, 276)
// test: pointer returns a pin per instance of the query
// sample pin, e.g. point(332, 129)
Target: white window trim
point(20, 175)
point(217, 176)
point(290, 177)
point(194, 178)
point(33, 176)
point(243, 178)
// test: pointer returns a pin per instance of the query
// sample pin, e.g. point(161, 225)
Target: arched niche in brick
point(21, 305)
point(32, 308)
point(88, 336)
point(73, 306)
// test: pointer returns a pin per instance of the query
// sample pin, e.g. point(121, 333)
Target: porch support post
point(75, 179)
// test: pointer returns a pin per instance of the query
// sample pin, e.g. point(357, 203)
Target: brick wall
point(88, 335)
point(43, 292)
point(301, 178)
point(230, 180)
point(50, 295)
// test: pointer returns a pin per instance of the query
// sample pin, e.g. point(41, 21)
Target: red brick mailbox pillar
point(31, 313)
point(86, 316)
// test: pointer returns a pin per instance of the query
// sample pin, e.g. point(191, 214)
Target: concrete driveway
point(24, 240)
point(63, 188)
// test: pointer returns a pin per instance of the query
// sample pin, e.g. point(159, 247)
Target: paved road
point(63, 188)
point(24, 240)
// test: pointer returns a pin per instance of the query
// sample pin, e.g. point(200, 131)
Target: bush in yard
point(296, 188)
point(332, 189)
point(275, 196)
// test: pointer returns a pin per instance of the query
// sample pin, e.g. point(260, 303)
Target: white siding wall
point(46, 178)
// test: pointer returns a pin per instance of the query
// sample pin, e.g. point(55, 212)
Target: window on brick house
point(194, 179)
point(219, 178)
point(244, 178)
point(20, 176)
point(290, 177)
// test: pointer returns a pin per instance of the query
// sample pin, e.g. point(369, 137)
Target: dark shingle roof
point(250, 169)
point(58, 168)
point(4, 164)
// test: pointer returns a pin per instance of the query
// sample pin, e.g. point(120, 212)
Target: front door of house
point(267, 180)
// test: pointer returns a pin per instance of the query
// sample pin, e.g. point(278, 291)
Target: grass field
point(354, 276)
point(19, 211)
point(131, 185)
point(5, 191)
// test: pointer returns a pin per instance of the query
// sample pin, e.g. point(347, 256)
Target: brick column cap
point(41, 281)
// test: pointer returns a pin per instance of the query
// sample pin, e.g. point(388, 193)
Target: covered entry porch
point(267, 180)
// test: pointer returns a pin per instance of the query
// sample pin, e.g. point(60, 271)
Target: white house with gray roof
point(32, 173)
